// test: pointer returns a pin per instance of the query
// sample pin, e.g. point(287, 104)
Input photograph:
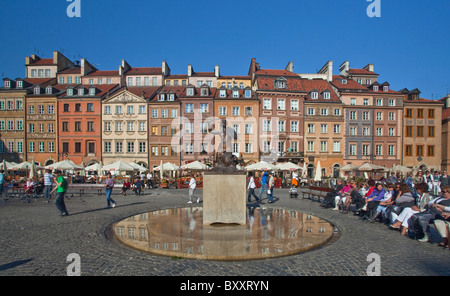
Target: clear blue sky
point(409, 44)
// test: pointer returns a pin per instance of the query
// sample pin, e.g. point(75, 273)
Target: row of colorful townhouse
point(72, 110)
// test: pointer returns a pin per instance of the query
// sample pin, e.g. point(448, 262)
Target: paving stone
point(36, 241)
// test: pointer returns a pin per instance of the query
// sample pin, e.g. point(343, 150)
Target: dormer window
point(314, 95)
point(248, 93)
point(7, 84)
point(70, 91)
point(204, 91)
point(235, 94)
point(37, 90)
point(190, 91)
point(223, 93)
point(326, 95)
point(19, 84)
point(48, 90)
point(344, 81)
point(162, 97)
point(385, 88)
point(375, 88)
point(172, 97)
point(81, 91)
point(92, 91)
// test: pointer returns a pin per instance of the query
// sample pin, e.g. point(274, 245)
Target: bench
point(316, 191)
point(83, 187)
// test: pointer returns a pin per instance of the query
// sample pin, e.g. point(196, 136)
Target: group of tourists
point(409, 205)
point(267, 187)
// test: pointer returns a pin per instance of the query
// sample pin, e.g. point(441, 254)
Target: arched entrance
point(336, 170)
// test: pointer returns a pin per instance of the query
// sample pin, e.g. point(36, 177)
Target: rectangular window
point(420, 131)
point(294, 126)
point(408, 150)
point(430, 150)
point(352, 149)
point(409, 113)
point(189, 108)
point(77, 147)
point(419, 113)
point(130, 147)
point(119, 147)
point(431, 131)
point(107, 147)
point(267, 104)
point(419, 150)
point(336, 146)
point(430, 113)
point(409, 131)
point(142, 147)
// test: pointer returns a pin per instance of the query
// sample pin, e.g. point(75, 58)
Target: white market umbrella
point(401, 169)
point(195, 165)
point(33, 172)
point(289, 166)
point(261, 166)
point(92, 167)
point(348, 168)
point(369, 167)
point(138, 167)
point(168, 166)
point(63, 165)
point(118, 166)
point(318, 175)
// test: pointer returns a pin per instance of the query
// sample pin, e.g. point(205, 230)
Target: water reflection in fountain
point(180, 232)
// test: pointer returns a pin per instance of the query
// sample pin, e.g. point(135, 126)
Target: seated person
point(138, 186)
point(126, 185)
point(293, 192)
point(29, 186)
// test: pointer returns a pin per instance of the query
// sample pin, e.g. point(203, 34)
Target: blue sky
point(409, 44)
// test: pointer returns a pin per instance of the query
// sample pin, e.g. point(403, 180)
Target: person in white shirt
point(149, 180)
point(192, 186)
point(251, 188)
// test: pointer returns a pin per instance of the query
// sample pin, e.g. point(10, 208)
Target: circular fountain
point(180, 232)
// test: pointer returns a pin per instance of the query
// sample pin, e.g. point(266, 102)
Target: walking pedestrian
point(263, 185)
point(48, 184)
point(109, 185)
point(192, 186)
point(61, 189)
point(271, 185)
point(251, 188)
point(149, 180)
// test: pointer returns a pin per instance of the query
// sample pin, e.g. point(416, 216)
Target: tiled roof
point(229, 94)
point(269, 72)
point(361, 72)
point(446, 114)
point(178, 90)
point(268, 83)
point(319, 85)
point(148, 91)
point(350, 84)
point(73, 70)
point(176, 76)
point(145, 71)
point(40, 81)
point(104, 73)
point(43, 62)
point(203, 74)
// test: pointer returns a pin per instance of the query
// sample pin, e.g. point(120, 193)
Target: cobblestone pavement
point(36, 240)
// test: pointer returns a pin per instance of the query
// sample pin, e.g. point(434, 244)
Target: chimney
point(216, 71)
point(290, 67)
point(447, 101)
point(328, 70)
point(190, 70)
point(165, 69)
point(369, 67)
point(344, 68)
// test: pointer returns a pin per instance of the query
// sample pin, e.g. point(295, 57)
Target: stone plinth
point(224, 198)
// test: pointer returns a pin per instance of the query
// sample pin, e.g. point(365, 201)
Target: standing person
point(109, 185)
point(48, 184)
point(263, 185)
point(61, 189)
point(192, 186)
point(149, 180)
point(271, 185)
point(444, 179)
point(2, 180)
point(251, 188)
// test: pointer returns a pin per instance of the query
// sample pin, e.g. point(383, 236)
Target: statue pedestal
point(224, 197)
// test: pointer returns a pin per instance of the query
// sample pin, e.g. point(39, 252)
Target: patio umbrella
point(401, 169)
point(318, 175)
point(138, 167)
point(289, 166)
point(63, 165)
point(348, 168)
point(195, 165)
point(92, 167)
point(118, 166)
point(33, 172)
point(369, 167)
point(261, 166)
point(168, 166)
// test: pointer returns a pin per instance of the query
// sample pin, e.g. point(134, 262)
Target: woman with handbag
point(109, 185)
